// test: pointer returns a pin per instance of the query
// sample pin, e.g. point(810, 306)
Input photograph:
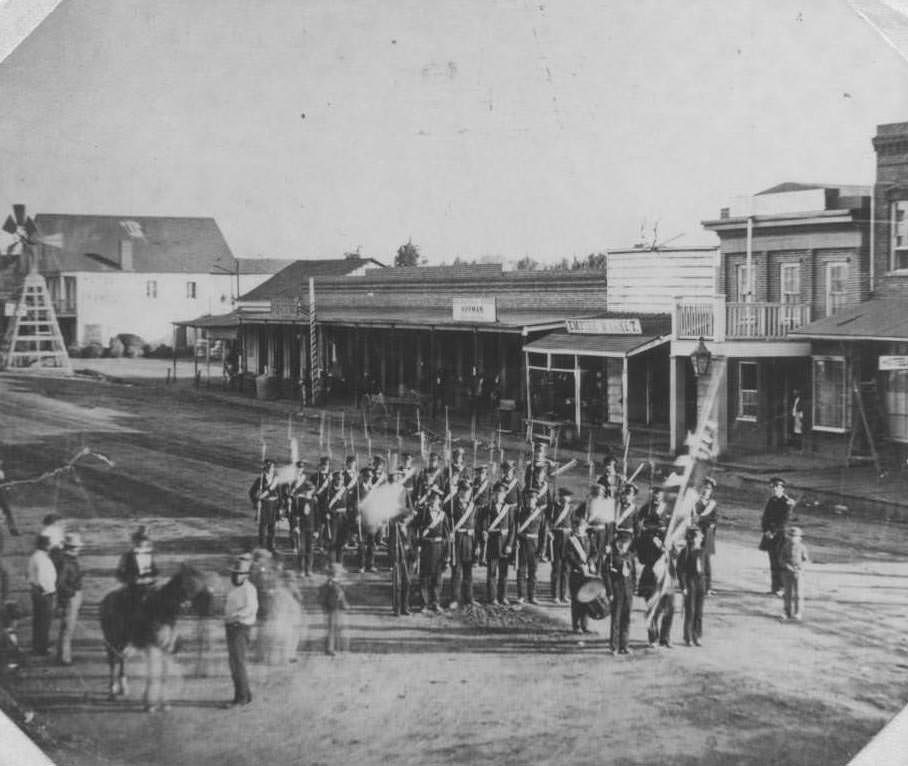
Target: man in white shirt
point(42, 580)
point(239, 616)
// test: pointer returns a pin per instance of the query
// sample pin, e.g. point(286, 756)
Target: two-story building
point(109, 275)
point(788, 255)
point(862, 351)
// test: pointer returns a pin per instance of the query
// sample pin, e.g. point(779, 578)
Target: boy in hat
point(435, 527)
point(69, 596)
point(706, 517)
point(794, 558)
point(580, 567)
point(619, 574)
point(240, 611)
point(498, 533)
point(333, 602)
point(775, 519)
point(692, 577)
point(42, 580)
point(530, 533)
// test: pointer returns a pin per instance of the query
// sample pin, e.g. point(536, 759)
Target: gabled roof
point(160, 245)
point(291, 281)
point(789, 186)
point(262, 265)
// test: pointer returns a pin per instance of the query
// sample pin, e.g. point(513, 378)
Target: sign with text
point(604, 326)
point(474, 310)
point(288, 307)
point(893, 363)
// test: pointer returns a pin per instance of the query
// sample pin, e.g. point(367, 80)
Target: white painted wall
point(647, 281)
point(116, 302)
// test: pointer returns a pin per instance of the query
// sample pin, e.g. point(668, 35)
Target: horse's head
point(194, 591)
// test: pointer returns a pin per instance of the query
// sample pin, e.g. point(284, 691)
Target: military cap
point(624, 534)
point(350, 460)
point(462, 485)
point(794, 532)
point(500, 486)
point(507, 465)
point(300, 463)
point(709, 481)
point(630, 487)
point(777, 481)
point(324, 460)
point(609, 460)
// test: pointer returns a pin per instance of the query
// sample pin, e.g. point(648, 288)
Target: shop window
point(830, 393)
point(748, 391)
point(895, 400)
point(538, 360)
point(151, 289)
point(562, 362)
point(836, 276)
point(899, 243)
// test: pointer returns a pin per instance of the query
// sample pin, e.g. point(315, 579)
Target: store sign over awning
point(888, 363)
point(474, 310)
point(604, 326)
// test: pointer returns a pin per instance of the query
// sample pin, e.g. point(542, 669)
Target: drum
point(592, 593)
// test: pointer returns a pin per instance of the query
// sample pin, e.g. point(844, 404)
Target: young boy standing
point(794, 557)
point(620, 575)
point(333, 602)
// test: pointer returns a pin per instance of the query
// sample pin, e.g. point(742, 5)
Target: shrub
point(93, 351)
point(116, 348)
point(74, 351)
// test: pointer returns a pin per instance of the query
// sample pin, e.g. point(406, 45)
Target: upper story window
point(190, 289)
point(744, 286)
point(151, 289)
point(790, 280)
point(836, 284)
point(899, 244)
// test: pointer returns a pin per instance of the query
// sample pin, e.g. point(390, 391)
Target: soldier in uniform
point(431, 476)
point(265, 496)
point(322, 480)
point(303, 509)
point(400, 552)
point(539, 459)
point(453, 474)
point(626, 517)
point(692, 577)
point(408, 478)
point(289, 493)
point(509, 479)
point(335, 513)
point(776, 516)
point(349, 525)
point(530, 533)
point(498, 530)
point(620, 576)
point(435, 530)
point(651, 529)
point(706, 517)
point(581, 568)
point(560, 524)
point(463, 545)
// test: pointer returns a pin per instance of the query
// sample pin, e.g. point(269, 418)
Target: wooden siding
point(648, 282)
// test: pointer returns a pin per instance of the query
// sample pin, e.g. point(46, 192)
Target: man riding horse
point(137, 569)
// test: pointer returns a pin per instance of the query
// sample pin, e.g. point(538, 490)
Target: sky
point(477, 128)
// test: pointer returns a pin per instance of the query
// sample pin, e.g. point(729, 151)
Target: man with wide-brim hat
point(240, 611)
point(69, 595)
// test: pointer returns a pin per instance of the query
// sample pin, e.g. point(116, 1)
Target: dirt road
point(492, 686)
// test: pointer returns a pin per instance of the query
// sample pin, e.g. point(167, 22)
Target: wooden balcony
point(64, 308)
point(718, 320)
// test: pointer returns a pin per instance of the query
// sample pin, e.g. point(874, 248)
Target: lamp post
point(700, 359)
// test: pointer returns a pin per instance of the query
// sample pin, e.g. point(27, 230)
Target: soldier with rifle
point(321, 480)
point(463, 545)
point(367, 537)
point(558, 527)
point(435, 531)
point(498, 531)
point(530, 533)
point(401, 554)
point(482, 496)
point(431, 476)
point(303, 532)
point(265, 496)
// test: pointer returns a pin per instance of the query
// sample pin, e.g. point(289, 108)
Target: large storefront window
point(895, 395)
point(552, 395)
point(830, 393)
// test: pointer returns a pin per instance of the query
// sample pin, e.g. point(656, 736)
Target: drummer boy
point(581, 567)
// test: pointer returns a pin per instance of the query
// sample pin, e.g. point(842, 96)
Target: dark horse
point(149, 625)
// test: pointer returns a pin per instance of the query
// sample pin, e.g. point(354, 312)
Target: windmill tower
point(33, 339)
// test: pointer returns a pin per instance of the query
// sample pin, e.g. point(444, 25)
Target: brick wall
point(891, 145)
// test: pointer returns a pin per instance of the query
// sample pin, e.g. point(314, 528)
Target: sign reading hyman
point(474, 310)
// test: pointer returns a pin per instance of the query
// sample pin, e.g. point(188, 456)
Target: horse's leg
point(112, 666)
point(122, 672)
point(154, 657)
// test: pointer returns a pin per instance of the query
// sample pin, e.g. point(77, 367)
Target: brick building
point(788, 255)
point(862, 352)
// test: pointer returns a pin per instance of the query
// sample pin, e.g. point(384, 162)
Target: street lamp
point(700, 359)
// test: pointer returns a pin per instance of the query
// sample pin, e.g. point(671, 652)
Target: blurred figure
point(794, 558)
point(11, 657)
point(333, 602)
point(42, 580)
point(13, 530)
point(240, 613)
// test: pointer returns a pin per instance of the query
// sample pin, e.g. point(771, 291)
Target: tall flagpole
point(313, 345)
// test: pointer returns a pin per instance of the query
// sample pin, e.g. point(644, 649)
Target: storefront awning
point(595, 345)
point(883, 319)
point(217, 326)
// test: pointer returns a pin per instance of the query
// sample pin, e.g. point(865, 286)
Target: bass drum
point(593, 594)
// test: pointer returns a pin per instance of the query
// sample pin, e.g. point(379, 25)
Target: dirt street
point(495, 685)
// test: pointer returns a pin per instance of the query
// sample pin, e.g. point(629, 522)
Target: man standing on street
point(776, 516)
point(42, 580)
point(239, 617)
point(69, 596)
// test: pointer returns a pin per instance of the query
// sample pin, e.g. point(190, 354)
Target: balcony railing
point(64, 307)
point(718, 320)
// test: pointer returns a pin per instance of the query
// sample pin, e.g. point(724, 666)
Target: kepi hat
point(72, 540)
point(243, 564)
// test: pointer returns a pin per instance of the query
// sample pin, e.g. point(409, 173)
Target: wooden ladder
point(871, 429)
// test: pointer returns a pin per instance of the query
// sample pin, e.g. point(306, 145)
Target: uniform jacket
point(619, 572)
point(302, 513)
point(776, 514)
point(534, 518)
point(689, 566)
point(505, 532)
point(460, 508)
point(69, 579)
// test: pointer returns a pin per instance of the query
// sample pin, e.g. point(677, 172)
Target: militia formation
point(604, 549)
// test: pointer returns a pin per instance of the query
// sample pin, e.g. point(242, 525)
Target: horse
point(150, 625)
